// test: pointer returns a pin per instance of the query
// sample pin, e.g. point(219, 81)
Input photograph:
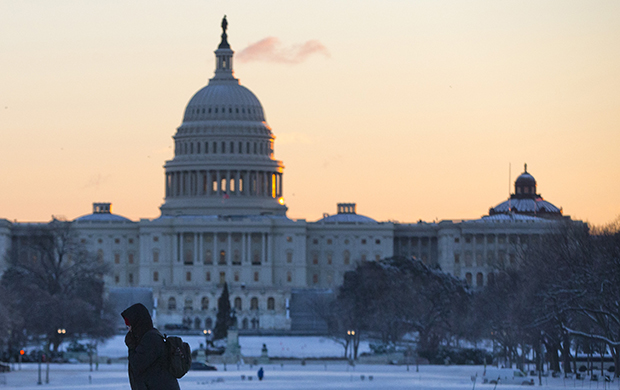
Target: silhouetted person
point(148, 363)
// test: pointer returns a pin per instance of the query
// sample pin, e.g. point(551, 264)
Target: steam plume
point(270, 49)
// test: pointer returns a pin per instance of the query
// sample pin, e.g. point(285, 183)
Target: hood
point(139, 318)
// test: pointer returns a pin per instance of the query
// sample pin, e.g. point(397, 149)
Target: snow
point(280, 377)
point(278, 346)
point(290, 375)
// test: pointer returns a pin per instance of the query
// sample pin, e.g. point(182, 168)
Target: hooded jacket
point(148, 365)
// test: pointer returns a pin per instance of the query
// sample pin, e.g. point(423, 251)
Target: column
point(229, 250)
point(237, 182)
point(264, 248)
point(196, 257)
point(200, 249)
point(180, 251)
point(228, 182)
point(208, 184)
point(280, 184)
point(244, 257)
point(269, 247)
point(249, 247)
point(215, 256)
point(219, 182)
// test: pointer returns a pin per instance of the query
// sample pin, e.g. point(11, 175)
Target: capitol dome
point(224, 151)
point(525, 200)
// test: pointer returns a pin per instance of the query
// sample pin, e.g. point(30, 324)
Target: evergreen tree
point(222, 321)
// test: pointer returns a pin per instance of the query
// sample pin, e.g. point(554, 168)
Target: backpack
point(179, 356)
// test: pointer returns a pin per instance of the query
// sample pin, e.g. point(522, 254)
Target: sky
point(414, 110)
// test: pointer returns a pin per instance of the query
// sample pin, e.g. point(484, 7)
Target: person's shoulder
point(153, 335)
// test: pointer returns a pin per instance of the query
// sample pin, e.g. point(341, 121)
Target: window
point(238, 303)
point(208, 276)
point(222, 277)
point(456, 240)
point(130, 258)
point(363, 241)
point(189, 304)
point(346, 257)
point(117, 258)
point(117, 279)
point(315, 279)
point(377, 241)
point(172, 303)
point(329, 258)
point(155, 238)
point(254, 303)
point(271, 303)
point(289, 277)
point(204, 303)
point(155, 256)
point(222, 259)
point(289, 257)
point(236, 257)
point(208, 257)
point(329, 241)
point(130, 278)
point(256, 276)
point(377, 257)
point(364, 257)
point(188, 276)
point(346, 242)
point(100, 256)
point(155, 276)
point(255, 258)
point(117, 241)
point(468, 278)
point(456, 258)
point(479, 279)
point(315, 258)
point(289, 239)
point(315, 241)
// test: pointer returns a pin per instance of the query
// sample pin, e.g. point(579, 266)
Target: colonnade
point(193, 248)
point(224, 182)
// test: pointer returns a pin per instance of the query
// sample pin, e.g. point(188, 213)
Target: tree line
point(562, 292)
point(51, 290)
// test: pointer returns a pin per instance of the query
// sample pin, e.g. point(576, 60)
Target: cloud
point(270, 49)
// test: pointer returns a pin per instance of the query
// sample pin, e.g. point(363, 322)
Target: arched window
point(479, 279)
point(271, 303)
point(289, 277)
point(491, 278)
point(197, 323)
point(208, 323)
point(346, 257)
point(244, 323)
point(172, 303)
point(468, 278)
point(204, 303)
point(155, 276)
point(189, 304)
point(254, 303)
point(238, 303)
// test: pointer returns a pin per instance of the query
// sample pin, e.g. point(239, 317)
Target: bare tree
point(57, 284)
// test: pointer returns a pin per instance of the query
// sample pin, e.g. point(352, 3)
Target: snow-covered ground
point(277, 377)
point(278, 346)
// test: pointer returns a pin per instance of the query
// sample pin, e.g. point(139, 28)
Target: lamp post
point(351, 334)
point(207, 333)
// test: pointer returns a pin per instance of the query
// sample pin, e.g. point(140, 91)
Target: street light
point(351, 334)
point(207, 333)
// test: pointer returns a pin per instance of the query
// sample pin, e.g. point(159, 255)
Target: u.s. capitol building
point(224, 221)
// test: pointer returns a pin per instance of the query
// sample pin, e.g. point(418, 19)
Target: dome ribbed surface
point(224, 101)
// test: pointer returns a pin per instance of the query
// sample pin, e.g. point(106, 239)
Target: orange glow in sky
point(412, 109)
